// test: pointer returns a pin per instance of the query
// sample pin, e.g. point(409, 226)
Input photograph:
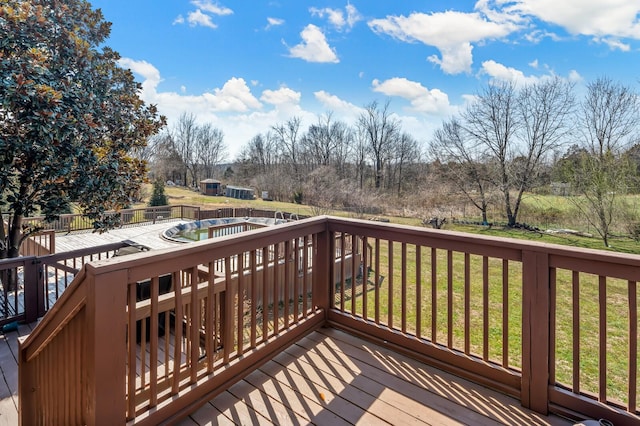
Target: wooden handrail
point(364, 277)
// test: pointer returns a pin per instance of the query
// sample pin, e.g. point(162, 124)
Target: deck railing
point(232, 228)
point(30, 285)
point(25, 295)
point(78, 222)
point(39, 244)
point(129, 217)
point(150, 337)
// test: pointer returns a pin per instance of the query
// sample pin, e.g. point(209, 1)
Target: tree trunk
point(10, 249)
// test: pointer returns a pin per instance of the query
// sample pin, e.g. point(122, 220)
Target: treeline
point(333, 164)
point(508, 141)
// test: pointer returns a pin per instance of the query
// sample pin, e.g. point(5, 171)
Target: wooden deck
point(9, 375)
point(333, 378)
point(146, 234)
point(330, 378)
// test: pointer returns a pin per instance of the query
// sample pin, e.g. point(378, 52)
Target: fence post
point(106, 347)
point(323, 270)
point(535, 331)
point(33, 289)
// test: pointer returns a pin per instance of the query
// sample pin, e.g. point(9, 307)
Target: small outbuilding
point(240, 193)
point(211, 187)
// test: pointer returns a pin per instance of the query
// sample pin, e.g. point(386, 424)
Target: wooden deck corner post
point(106, 347)
point(535, 331)
point(322, 270)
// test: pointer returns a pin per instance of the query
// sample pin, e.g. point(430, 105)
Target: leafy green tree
point(158, 198)
point(70, 118)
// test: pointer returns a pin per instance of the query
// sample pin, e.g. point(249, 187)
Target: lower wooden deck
point(9, 375)
point(333, 378)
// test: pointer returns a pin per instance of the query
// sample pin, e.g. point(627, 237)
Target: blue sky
point(247, 65)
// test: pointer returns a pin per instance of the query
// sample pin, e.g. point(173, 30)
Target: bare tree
point(343, 140)
point(492, 122)
point(609, 118)
point(210, 148)
point(544, 110)
point(288, 137)
point(184, 137)
point(166, 163)
point(517, 131)
point(461, 163)
point(359, 156)
point(327, 143)
point(404, 153)
point(381, 131)
point(318, 144)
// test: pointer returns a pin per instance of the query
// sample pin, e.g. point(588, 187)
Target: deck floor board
point(9, 375)
point(330, 378)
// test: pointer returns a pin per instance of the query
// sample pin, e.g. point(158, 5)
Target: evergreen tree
point(158, 198)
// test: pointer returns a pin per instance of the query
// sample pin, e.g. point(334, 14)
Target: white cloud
point(198, 18)
point(231, 108)
point(353, 15)
point(149, 73)
point(423, 100)
point(500, 72)
point(333, 103)
point(202, 16)
point(235, 110)
point(274, 22)
point(336, 17)
point(211, 7)
point(614, 18)
point(574, 76)
point(282, 96)
point(314, 47)
point(235, 95)
point(451, 32)
point(613, 43)
point(536, 36)
point(534, 63)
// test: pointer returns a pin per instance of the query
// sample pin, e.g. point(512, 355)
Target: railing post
point(322, 271)
point(535, 331)
point(106, 347)
point(33, 289)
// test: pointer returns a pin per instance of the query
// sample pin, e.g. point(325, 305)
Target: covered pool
point(199, 229)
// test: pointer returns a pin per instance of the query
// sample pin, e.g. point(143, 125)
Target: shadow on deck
point(330, 377)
